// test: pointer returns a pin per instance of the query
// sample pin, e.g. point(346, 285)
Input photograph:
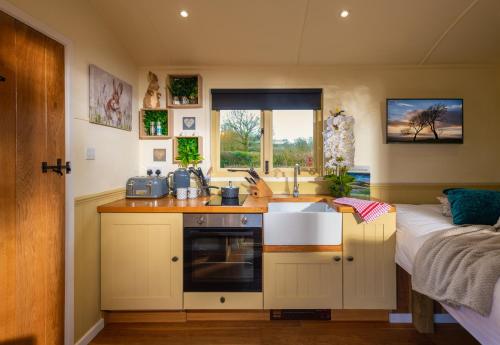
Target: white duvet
point(415, 223)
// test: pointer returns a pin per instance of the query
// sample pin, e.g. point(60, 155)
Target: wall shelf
point(143, 133)
point(176, 145)
point(176, 104)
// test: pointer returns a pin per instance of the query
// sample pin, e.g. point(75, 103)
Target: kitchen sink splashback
point(302, 223)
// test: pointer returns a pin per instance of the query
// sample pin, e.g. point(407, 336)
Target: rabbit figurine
point(152, 96)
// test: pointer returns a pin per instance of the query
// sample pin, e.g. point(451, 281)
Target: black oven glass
point(222, 259)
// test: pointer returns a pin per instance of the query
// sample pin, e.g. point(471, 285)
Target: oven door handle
point(199, 233)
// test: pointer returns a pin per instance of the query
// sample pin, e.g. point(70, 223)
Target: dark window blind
point(266, 99)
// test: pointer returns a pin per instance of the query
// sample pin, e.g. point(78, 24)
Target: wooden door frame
point(41, 27)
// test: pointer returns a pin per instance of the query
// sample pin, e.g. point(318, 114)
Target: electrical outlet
point(154, 168)
point(90, 153)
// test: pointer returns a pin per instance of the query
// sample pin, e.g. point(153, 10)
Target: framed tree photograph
point(432, 120)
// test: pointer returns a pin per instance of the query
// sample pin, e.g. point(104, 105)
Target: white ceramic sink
point(302, 223)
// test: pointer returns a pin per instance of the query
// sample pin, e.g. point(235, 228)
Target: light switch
point(90, 153)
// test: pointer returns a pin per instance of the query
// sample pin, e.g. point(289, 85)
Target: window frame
point(266, 148)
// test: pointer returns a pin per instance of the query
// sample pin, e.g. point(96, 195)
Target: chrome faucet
point(296, 172)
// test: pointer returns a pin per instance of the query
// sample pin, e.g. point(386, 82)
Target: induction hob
point(217, 200)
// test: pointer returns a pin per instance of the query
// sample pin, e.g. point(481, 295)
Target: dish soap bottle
point(152, 128)
point(158, 128)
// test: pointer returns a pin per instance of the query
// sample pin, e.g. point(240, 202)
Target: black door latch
point(2, 78)
point(57, 168)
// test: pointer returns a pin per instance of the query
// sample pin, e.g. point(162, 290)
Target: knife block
point(261, 190)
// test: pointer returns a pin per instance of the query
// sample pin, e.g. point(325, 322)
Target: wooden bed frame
point(421, 307)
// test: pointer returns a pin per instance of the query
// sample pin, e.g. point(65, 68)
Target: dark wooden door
point(31, 202)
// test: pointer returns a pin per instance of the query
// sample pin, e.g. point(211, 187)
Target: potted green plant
point(340, 181)
point(187, 154)
point(184, 90)
point(192, 89)
point(176, 89)
point(155, 116)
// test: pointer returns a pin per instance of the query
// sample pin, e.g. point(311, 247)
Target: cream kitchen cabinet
point(303, 280)
point(223, 300)
point(141, 261)
point(368, 258)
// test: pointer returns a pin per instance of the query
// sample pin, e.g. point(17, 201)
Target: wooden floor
point(277, 332)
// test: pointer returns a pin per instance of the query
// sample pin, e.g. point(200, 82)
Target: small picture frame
point(189, 123)
point(159, 155)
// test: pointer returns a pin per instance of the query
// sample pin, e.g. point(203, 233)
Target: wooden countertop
point(171, 205)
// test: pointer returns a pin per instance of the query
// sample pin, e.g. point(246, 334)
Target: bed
point(415, 223)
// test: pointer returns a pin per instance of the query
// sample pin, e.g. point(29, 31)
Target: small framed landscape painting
point(361, 184)
point(430, 120)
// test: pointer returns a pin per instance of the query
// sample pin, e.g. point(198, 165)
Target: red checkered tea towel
point(367, 210)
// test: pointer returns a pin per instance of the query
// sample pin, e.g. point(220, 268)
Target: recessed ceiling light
point(184, 14)
point(344, 13)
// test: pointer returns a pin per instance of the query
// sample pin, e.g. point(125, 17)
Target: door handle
point(350, 258)
point(58, 168)
point(2, 78)
point(175, 259)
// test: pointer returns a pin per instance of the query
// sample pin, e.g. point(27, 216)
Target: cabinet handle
point(222, 299)
point(350, 258)
point(337, 258)
point(175, 259)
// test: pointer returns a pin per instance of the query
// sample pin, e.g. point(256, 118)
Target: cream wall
point(116, 150)
point(362, 91)
point(92, 43)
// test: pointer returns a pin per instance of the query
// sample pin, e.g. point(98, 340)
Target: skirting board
point(91, 334)
point(375, 315)
point(406, 318)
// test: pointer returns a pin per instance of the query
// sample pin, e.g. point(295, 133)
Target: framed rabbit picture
point(110, 100)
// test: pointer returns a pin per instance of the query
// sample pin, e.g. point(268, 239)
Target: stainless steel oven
point(222, 252)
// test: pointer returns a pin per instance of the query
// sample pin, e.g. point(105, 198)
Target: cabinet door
point(369, 266)
point(141, 261)
point(303, 280)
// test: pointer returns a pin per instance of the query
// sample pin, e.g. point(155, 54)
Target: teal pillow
point(474, 206)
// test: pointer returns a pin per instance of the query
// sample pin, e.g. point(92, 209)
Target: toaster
point(151, 187)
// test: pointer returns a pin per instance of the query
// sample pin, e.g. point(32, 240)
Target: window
point(283, 138)
point(293, 133)
point(240, 138)
point(270, 130)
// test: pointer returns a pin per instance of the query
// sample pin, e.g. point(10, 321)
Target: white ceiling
point(305, 32)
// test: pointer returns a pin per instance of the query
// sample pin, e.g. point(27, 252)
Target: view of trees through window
point(293, 132)
point(240, 138)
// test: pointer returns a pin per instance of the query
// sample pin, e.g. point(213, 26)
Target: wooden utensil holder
point(261, 190)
